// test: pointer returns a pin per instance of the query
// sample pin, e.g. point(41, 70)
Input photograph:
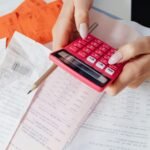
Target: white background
point(121, 8)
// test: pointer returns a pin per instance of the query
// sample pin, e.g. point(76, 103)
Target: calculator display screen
point(81, 68)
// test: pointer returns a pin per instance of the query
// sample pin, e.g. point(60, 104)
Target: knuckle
point(114, 92)
point(135, 68)
point(146, 42)
point(131, 50)
point(133, 86)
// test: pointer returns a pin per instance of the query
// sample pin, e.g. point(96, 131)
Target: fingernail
point(115, 58)
point(83, 30)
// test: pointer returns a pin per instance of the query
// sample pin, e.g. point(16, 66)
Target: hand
point(137, 69)
point(73, 16)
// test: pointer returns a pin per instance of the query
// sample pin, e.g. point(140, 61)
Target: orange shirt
point(33, 18)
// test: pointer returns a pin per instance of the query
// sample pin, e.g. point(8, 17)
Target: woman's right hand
point(73, 17)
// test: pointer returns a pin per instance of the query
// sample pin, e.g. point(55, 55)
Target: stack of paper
point(18, 71)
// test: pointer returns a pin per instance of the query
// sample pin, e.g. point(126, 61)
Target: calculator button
point(87, 50)
point(106, 46)
point(98, 41)
point(114, 67)
point(109, 53)
point(94, 44)
point(82, 54)
point(99, 52)
point(106, 57)
point(91, 47)
point(82, 42)
point(73, 48)
point(88, 38)
point(95, 55)
point(91, 59)
point(109, 71)
point(100, 65)
point(112, 50)
point(103, 49)
point(78, 45)
point(105, 61)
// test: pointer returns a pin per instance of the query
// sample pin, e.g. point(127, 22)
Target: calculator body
point(87, 60)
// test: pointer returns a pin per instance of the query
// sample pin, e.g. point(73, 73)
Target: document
point(17, 75)
point(16, 78)
point(118, 123)
point(59, 109)
point(34, 52)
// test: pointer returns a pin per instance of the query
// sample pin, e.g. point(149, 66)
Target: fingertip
point(55, 46)
point(110, 91)
point(60, 41)
point(115, 58)
point(83, 30)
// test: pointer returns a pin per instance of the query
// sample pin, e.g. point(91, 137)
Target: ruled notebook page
point(60, 108)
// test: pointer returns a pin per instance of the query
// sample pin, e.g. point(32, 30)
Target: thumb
point(129, 51)
point(82, 16)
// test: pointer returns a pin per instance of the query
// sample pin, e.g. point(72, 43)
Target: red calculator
point(87, 60)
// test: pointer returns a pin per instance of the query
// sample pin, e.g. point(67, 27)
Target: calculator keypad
point(91, 59)
point(95, 53)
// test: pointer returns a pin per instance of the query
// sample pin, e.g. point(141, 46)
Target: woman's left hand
point(137, 68)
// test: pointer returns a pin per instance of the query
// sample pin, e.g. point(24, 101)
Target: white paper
point(2, 49)
point(144, 31)
point(17, 75)
point(2, 44)
point(112, 31)
point(118, 8)
point(36, 53)
point(60, 108)
point(118, 123)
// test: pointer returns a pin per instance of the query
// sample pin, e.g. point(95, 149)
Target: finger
point(82, 16)
point(131, 72)
point(64, 26)
point(122, 81)
point(136, 83)
point(129, 51)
